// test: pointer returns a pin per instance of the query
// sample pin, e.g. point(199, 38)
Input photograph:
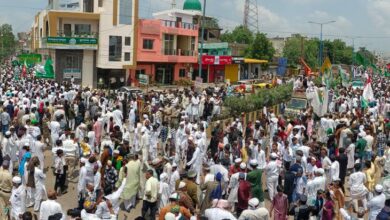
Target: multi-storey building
point(167, 45)
point(91, 40)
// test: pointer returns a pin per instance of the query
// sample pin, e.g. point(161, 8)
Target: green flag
point(374, 68)
point(361, 60)
point(47, 72)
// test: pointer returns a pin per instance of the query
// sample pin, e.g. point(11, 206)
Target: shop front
point(213, 68)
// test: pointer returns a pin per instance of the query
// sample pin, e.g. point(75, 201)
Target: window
point(82, 29)
point(67, 30)
point(115, 48)
point(138, 72)
point(88, 5)
point(168, 45)
point(100, 3)
point(73, 63)
point(127, 41)
point(127, 56)
point(182, 73)
point(125, 12)
point(193, 43)
point(148, 44)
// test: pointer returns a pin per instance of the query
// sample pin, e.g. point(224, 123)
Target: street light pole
point(2, 44)
point(202, 39)
point(321, 42)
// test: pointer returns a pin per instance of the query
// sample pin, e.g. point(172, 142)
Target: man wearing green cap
point(34, 130)
point(361, 145)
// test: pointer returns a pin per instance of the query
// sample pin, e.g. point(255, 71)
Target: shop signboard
point(71, 43)
point(69, 72)
point(237, 60)
point(216, 60)
point(143, 79)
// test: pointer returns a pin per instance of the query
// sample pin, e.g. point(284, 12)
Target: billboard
point(69, 5)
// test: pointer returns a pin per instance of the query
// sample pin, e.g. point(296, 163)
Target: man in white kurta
point(195, 107)
point(174, 177)
point(18, 198)
point(55, 128)
point(376, 204)
point(196, 163)
point(358, 190)
point(40, 189)
point(313, 185)
point(50, 207)
point(118, 117)
point(272, 172)
point(132, 182)
point(39, 151)
point(145, 144)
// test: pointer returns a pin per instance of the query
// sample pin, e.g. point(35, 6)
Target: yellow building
point(89, 40)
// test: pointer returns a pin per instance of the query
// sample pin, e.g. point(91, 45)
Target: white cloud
point(378, 10)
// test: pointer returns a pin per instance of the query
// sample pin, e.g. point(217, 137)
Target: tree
point(240, 34)
point(261, 48)
point(298, 46)
point(7, 41)
point(367, 55)
point(338, 52)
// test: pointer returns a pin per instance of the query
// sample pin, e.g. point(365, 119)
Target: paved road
point(69, 200)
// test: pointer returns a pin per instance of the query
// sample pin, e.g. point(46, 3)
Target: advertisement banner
point(216, 60)
point(71, 43)
point(69, 72)
point(143, 79)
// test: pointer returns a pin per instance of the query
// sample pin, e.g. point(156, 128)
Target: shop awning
point(255, 61)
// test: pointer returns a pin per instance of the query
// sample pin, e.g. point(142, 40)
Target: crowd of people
point(165, 151)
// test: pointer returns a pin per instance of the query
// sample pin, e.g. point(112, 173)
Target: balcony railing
point(62, 33)
point(175, 24)
point(178, 52)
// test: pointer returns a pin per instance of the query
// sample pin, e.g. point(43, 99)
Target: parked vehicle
point(131, 91)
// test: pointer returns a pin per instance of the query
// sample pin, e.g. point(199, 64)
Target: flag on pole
point(24, 69)
point(344, 77)
point(360, 60)
point(47, 71)
point(368, 93)
point(326, 71)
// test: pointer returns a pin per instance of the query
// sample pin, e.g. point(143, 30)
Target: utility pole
point(202, 39)
point(321, 42)
point(302, 47)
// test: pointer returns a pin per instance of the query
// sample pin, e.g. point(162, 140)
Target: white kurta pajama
point(18, 202)
point(358, 190)
point(164, 192)
point(196, 163)
point(40, 189)
point(375, 205)
point(50, 207)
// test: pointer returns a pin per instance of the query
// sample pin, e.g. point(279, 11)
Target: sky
point(364, 22)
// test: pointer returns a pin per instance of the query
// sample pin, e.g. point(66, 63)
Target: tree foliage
point(255, 102)
point(297, 46)
point(367, 55)
point(7, 41)
point(240, 34)
point(261, 48)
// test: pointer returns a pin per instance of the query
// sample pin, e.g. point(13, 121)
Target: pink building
point(167, 46)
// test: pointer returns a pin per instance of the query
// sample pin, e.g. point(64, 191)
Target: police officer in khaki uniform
point(5, 186)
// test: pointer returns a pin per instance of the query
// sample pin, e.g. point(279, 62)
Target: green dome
point(193, 5)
